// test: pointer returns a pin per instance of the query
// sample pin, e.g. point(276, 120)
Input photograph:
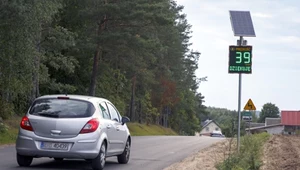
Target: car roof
point(73, 96)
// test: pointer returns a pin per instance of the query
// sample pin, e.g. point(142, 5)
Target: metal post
point(239, 104)
point(250, 126)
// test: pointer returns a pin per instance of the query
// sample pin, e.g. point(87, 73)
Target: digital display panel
point(240, 59)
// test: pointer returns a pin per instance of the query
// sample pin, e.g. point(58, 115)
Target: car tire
point(24, 160)
point(124, 157)
point(99, 162)
point(58, 159)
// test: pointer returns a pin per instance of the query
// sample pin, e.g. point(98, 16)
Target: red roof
point(290, 118)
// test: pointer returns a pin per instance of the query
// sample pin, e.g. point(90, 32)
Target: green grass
point(9, 131)
point(8, 137)
point(249, 157)
point(137, 129)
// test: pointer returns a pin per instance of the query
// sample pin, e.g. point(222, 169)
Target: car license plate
point(54, 145)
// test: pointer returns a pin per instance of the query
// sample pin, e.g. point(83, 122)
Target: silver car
point(75, 127)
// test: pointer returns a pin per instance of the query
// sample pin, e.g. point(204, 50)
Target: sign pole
point(240, 59)
point(239, 104)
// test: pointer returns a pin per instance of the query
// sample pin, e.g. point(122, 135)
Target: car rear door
point(108, 128)
point(119, 135)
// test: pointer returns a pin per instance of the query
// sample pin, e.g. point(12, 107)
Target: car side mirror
point(125, 120)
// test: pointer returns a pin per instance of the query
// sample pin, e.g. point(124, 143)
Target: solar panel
point(241, 23)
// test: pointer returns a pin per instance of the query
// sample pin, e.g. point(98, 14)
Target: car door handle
point(108, 126)
point(118, 129)
point(55, 132)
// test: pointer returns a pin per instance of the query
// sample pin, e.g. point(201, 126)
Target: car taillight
point(91, 126)
point(25, 124)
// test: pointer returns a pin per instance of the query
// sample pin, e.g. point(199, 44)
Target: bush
point(6, 109)
point(249, 156)
point(3, 128)
point(9, 130)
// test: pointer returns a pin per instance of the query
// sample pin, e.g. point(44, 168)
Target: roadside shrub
point(6, 109)
point(249, 156)
point(9, 130)
point(3, 128)
point(231, 163)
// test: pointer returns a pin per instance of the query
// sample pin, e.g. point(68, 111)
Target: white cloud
point(289, 39)
point(296, 20)
point(261, 15)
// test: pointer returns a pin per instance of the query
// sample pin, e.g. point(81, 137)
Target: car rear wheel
point(124, 157)
point(99, 162)
point(24, 160)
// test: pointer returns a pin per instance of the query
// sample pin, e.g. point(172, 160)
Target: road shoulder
point(204, 159)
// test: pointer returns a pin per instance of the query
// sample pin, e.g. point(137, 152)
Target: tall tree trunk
point(132, 100)
point(92, 88)
point(35, 76)
point(7, 92)
point(161, 118)
point(34, 82)
point(98, 54)
point(140, 112)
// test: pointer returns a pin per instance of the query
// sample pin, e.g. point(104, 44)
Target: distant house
point(208, 127)
point(256, 125)
point(271, 129)
point(271, 125)
point(272, 121)
point(291, 121)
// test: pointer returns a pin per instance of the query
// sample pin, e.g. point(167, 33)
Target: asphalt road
point(147, 153)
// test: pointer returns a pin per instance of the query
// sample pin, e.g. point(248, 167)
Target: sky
point(275, 74)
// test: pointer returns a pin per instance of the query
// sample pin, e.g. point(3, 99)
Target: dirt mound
point(282, 153)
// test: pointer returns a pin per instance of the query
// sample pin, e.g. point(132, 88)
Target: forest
point(135, 53)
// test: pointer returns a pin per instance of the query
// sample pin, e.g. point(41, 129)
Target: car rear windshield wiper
point(55, 115)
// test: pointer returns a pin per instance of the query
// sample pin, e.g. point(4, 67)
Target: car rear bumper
point(84, 146)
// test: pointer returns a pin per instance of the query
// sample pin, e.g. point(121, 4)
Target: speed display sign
point(240, 59)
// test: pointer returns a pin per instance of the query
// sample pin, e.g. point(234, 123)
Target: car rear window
point(62, 108)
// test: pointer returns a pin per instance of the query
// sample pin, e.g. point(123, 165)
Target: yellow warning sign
point(249, 105)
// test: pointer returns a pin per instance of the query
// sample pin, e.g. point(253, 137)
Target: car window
point(62, 108)
point(120, 117)
point(113, 112)
point(104, 110)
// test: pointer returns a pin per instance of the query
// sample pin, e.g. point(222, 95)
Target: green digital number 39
point(240, 56)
